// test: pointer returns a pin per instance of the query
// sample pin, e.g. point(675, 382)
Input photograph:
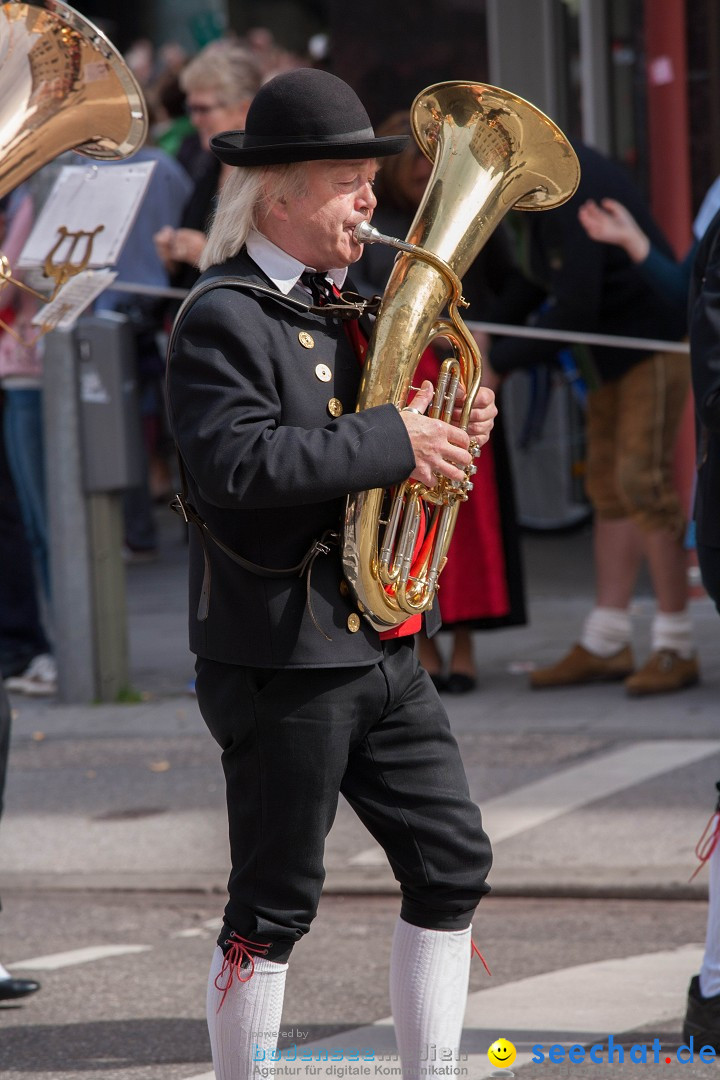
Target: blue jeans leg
point(25, 446)
point(21, 633)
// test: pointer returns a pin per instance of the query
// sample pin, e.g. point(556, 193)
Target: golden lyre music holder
point(58, 271)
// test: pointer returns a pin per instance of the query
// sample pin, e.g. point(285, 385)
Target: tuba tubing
point(492, 151)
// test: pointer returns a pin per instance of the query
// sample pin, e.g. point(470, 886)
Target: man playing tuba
point(305, 698)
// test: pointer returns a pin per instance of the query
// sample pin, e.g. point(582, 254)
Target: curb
point(353, 883)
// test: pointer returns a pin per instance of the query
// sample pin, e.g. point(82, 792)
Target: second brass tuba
point(492, 151)
point(64, 87)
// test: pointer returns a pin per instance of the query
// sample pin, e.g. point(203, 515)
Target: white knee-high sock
point(429, 972)
point(710, 970)
point(244, 1019)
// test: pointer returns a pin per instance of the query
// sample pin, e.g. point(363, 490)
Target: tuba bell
point(65, 87)
point(492, 151)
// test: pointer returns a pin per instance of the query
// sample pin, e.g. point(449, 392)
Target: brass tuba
point(492, 151)
point(65, 87)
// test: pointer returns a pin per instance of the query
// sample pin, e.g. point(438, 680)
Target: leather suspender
point(184, 508)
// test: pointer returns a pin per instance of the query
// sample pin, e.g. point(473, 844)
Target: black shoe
point(459, 683)
point(702, 1019)
point(440, 683)
point(10, 989)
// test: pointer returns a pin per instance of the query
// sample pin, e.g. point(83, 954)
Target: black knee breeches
point(292, 740)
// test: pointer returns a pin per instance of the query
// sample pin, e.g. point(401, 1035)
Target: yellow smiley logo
point(502, 1053)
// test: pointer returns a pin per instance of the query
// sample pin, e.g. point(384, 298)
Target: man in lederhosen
point(298, 689)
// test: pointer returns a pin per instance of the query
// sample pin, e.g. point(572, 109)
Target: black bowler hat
point(304, 115)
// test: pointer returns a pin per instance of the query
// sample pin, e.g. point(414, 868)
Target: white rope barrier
point(573, 337)
point(578, 337)
point(147, 290)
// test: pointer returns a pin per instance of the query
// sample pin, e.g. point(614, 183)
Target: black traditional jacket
point(253, 386)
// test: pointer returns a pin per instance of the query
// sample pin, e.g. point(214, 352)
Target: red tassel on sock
point(474, 951)
point(240, 950)
point(708, 841)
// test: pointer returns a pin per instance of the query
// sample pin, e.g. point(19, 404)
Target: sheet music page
point(86, 198)
point(70, 302)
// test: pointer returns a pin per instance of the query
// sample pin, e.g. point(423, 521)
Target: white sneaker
point(39, 679)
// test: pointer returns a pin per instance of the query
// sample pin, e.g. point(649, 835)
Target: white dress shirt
point(284, 270)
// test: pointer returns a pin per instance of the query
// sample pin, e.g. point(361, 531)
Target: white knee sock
point(606, 631)
point(429, 972)
point(244, 1020)
point(710, 970)
point(673, 631)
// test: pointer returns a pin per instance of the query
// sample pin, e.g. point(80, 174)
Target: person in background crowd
point(24, 449)
point(139, 264)
point(10, 988)
point(610, 222)
point(170, 58)
point(23, 640)
point(22, 636)
point(270, 56)
point(702, 1018)
point(171, 124)
point(219, 84)
point(635, 404)
point(708, 209)
point(140, 58)
point(303, 695)
point(482, 585)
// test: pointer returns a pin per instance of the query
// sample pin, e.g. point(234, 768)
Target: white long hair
point(246, 198)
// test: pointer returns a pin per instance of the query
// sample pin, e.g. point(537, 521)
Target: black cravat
point(319, 286)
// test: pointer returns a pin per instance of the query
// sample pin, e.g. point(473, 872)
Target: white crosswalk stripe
point(55, 961)
point(569, 789)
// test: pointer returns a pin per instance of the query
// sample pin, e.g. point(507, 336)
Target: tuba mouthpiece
point(365, 233)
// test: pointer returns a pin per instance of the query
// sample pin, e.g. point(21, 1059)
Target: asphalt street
point(562, 972)
point(113, 860)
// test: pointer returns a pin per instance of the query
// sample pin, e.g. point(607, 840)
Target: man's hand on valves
point(442, 449)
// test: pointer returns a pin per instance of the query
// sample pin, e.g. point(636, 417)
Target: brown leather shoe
point(664, 671)
point(581, 666)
